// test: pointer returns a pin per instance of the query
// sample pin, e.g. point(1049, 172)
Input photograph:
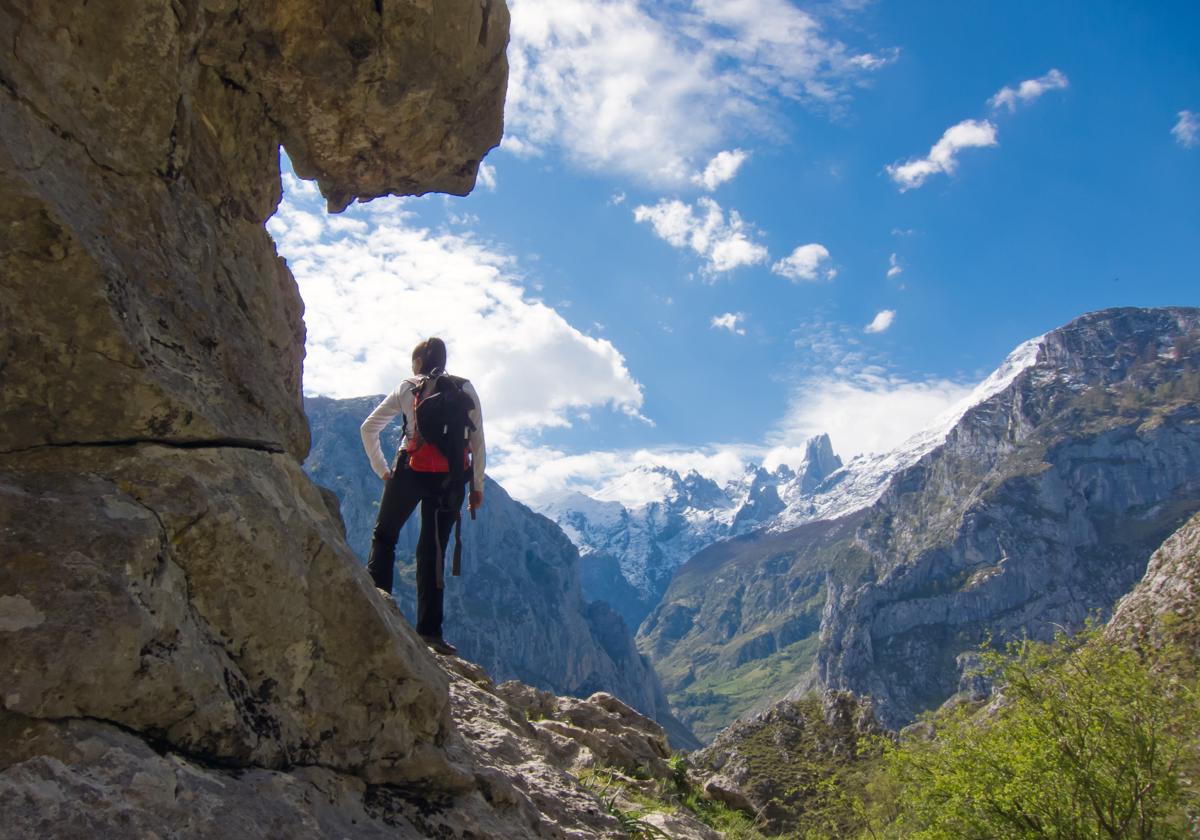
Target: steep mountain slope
point(1166, 603)
point(1041, 503)
point(518, 608)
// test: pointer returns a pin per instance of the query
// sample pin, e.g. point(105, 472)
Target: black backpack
point(443, 420)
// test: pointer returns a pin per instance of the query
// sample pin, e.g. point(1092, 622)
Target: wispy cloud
point(723, 167)
point(653, 90)
point(1027, 91)
point(375, 283)
point(943, 156)
point(881, 321)
point(894, 269)
point(725, 243)
point(731, 321)
point(487, 176)
point(1187, 130)
point(808, 263)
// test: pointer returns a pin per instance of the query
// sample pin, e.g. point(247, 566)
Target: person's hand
point(476, 500)
point(387, 475)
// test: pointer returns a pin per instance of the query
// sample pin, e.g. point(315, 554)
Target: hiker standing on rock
point(442, 450)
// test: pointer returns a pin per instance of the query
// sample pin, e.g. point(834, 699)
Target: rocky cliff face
point(188, 645)
point(1040, 505)
point(518, 609)
point(1166, 603)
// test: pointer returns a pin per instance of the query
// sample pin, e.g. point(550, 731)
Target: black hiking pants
point(401, 494)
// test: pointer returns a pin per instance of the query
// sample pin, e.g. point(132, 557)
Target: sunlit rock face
point(142, 298)
point(168, 570)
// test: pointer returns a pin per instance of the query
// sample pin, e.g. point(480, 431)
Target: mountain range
point(1027, 509)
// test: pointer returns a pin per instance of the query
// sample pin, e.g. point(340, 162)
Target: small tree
point(1090, 740)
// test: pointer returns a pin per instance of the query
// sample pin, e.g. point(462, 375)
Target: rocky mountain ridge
point(638, 529)
point(1040, 504)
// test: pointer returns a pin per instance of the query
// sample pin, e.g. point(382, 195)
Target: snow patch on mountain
point(652, 519)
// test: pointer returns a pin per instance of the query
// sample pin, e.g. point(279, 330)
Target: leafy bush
point(1091, 740)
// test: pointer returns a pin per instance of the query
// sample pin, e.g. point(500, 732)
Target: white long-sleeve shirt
point(400, 401)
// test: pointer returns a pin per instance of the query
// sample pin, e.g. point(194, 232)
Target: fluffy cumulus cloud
point(1027, 91)
point(652, 90)
point(724, 242)
point(943, 156)
point(723, 167)
point(807, 263)
point(1187, 130)
point(881, 321)
point(374, 284)
point(731, 321)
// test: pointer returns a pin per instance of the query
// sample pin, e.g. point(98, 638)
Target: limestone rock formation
point(188, 646)
point(143, 299)
point(525, 749)
point(1167, 601)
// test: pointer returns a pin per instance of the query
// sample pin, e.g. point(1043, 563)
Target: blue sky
point(956, 176)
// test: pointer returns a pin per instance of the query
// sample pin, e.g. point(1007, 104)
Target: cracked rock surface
point(188, 647)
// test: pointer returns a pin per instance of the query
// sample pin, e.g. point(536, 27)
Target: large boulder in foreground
point(170, 578)
point(142, 297)
point(527, 750)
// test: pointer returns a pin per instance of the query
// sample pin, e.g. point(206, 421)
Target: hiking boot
point(440, 645)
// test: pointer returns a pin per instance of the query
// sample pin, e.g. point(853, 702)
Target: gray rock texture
point(1041, 507)
point(143, 299)
point(524, 748)
point(1166, 603)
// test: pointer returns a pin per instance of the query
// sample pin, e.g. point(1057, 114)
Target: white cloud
point(867, 413)
point(1187, 130)
point(1027, 91)
point(723, 167)
point(894, 269)
point(725, 244)
point(805, 263)
point(731, 321)
point(616, 199)
point(374, 284)
point(881, 321)
point(487, 177)
point(533, 473)
point(942, 156)
point(650, 90)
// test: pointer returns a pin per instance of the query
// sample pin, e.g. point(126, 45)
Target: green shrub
point(1091, 741)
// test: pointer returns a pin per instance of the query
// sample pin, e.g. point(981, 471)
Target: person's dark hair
point(429, 355)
